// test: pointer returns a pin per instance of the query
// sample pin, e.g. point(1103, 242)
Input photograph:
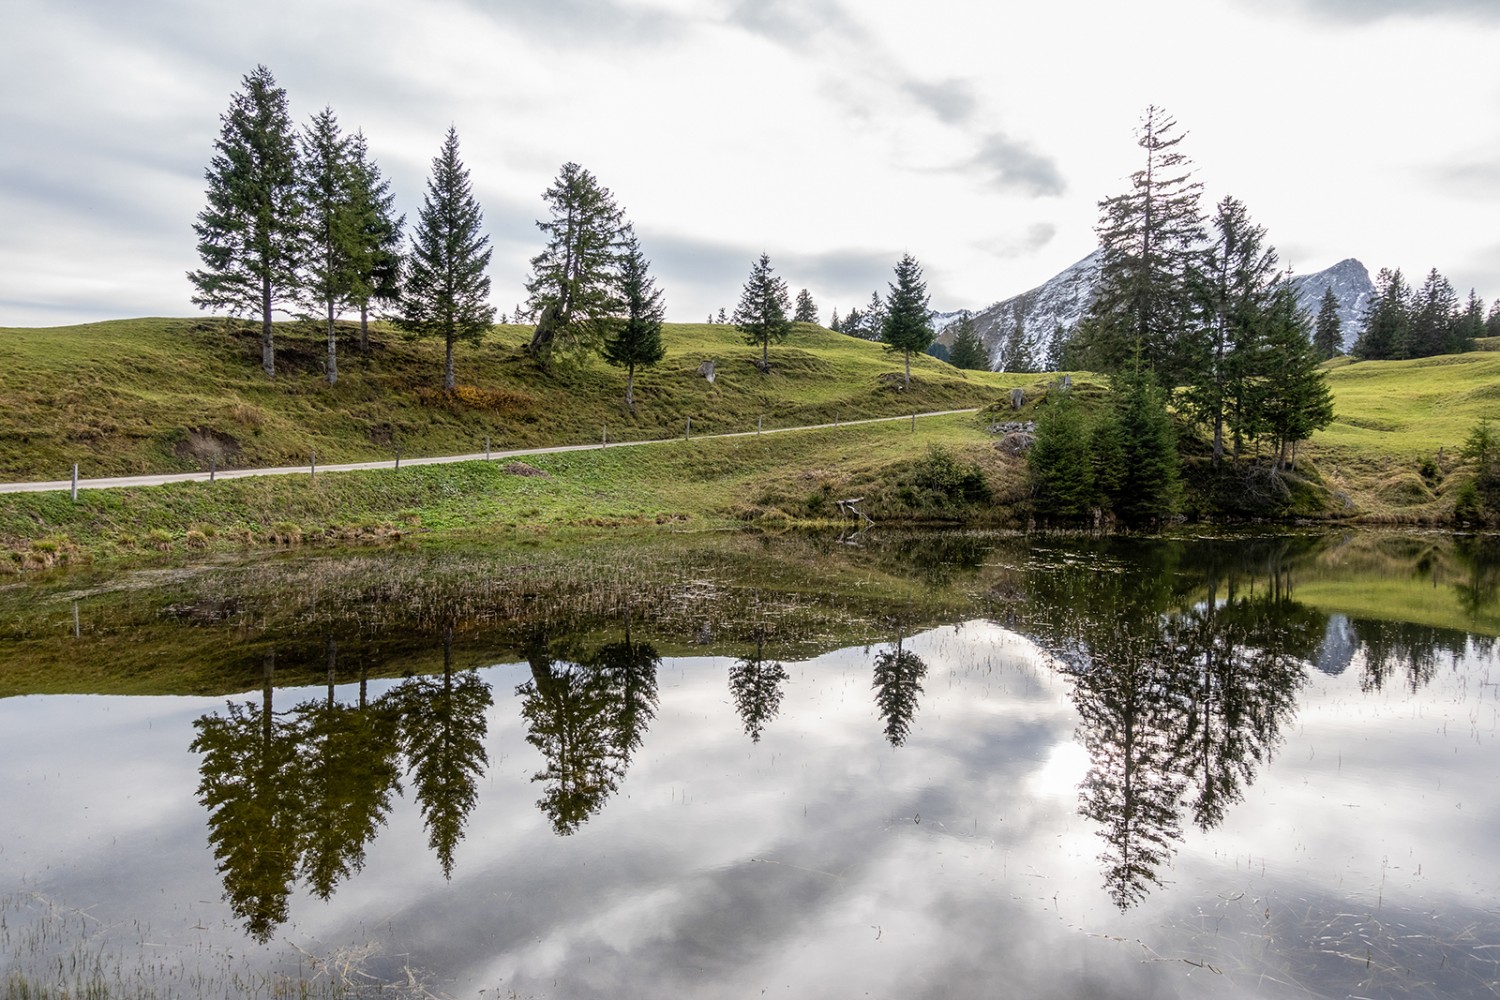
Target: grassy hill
point(1398, 428)
point(162, 395)
point(168, 395)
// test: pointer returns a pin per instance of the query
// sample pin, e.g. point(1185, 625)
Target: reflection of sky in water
point(823, 862)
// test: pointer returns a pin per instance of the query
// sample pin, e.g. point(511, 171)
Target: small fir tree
point(250, 234)
point(1059, 463)
point(1151, 485)
point(1469, 326)
point(833, 324)
point(636, 341)
point(1328, 333)
point(1018, 353)
point(761, 315)
point(1289, 405)
point(968, 349)
point(446, 289)
point(905, 326)
point(807, 310)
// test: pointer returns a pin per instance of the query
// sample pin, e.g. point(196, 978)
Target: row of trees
point(302, 219)
point(305, 220)
point(1405, 322)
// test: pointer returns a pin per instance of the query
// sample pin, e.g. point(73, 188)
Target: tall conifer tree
point(446, 291)
point(1328, 333)
point(377, 249)
point(968, 349)
point(249, 235)
point(761, 315)
point(574, 283)
point(635, 341)
point(331, 225)
point(1150, 237)
point(905, 326)
point(1234, 288)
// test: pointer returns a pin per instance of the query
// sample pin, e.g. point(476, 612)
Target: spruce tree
point(1469, 326)
point(1434, 316)
point(377, 245)
point(1151, 485)
point(1059, 463)
point(249, 236)
point(1328, 335)
point(1018, 354)
point(761, 315)
point(1387, 320)
point(1492, 321)
point(445, 290)
point(968, 349)
point(905, 326)
point(1294, 400)
point(807, 310)
point(574, 283)
point(331, 225)
point(1150, 237)
point(872, 320)
point(833, 324)
point(635, 341)
point(1234, 287)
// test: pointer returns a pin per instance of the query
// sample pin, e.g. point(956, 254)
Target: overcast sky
point(834, 136)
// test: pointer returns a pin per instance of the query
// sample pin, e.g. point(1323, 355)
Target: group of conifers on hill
point(305, 218)
point(1189, 308)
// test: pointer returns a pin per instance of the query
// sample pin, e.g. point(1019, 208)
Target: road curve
point(121, 482)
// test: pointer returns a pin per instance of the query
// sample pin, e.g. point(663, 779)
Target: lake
point(894, 765)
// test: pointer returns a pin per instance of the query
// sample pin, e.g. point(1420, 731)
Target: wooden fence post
point(74, 490)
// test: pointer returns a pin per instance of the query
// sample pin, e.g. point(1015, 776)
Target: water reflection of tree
point(251, 783)
point(898, 685)
point(352, 763)
point(587, 716)
point(1185, 670)
point(755, 684)
point(1402, 647)
point(302, 793)
point(442, 725)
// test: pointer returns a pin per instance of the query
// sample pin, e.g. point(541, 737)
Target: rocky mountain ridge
point(1054, 307)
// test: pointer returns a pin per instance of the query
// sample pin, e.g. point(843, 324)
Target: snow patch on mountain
point(1054, 307)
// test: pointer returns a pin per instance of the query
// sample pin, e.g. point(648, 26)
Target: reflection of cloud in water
point(821, 861)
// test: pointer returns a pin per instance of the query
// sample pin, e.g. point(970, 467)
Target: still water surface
point(961, 767)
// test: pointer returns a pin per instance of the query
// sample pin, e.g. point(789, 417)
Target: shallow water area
point(917, 766)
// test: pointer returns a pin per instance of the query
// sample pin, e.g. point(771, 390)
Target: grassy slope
point(1390, 416)
point(162, 395)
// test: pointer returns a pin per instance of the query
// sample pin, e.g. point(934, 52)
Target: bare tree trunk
point(267, 348)
point(907, 383)
point(448, 379)
point(333, 348)
point(629, 387)
point(364, 328)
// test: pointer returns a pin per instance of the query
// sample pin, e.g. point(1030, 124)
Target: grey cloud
point(1370, 11)
point(1012, 166)
point(698, 275)
point(1479, 179)
point(568, 22)
point(793, 23)
point(1032, 239)
point(952, 100)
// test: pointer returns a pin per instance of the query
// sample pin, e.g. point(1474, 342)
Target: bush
point(939, 484)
